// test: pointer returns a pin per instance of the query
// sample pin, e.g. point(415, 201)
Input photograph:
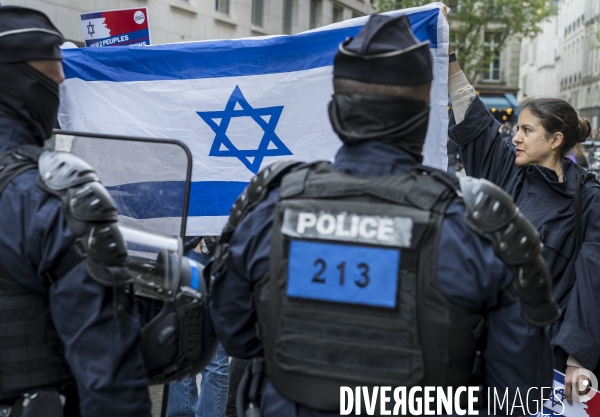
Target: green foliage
point(470, 20)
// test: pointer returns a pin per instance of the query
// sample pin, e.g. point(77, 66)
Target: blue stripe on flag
point(149, 200)
point(228, 58)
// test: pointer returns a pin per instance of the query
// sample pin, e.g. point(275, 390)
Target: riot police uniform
point(375, 270)
point(58, 325)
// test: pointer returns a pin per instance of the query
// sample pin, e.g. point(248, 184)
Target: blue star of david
point(266, 117)
point(554, 398)
point(90, 29)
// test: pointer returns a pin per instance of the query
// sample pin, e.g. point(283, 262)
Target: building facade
point(539, 62)
point(564, 60)
point(498, 83)
point(191, 20)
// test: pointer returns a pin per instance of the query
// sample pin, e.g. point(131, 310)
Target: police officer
point(60, 334)
point(373, 271)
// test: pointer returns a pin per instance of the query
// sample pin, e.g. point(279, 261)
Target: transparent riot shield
point(149, 179)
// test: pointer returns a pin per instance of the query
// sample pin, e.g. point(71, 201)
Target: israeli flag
point(557, 404)
point(239, 105)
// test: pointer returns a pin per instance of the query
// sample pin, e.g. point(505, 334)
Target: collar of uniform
point(373, 158)
point(14, 134)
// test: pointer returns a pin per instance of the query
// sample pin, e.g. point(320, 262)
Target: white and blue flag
point(239, 105)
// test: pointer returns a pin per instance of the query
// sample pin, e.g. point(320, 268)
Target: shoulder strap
point(451, 181)
point(254, 193)
point(434, 189)
point(15, 162)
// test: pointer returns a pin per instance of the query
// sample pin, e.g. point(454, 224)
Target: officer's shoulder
point(25, 183)
point(61, 170)
point(28, 197)
point(258, 190)
point(454, 217)
point(55, 172)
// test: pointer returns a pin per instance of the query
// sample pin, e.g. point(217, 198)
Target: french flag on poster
point(116, 27)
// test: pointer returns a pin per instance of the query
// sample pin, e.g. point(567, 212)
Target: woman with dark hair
point(557, 196)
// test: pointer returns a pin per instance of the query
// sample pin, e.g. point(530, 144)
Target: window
point(491, 70)
point(315, 13)
point(338, 13)
point(222, 6)
point(257, 12)
point(356, 14)
point(288, 10)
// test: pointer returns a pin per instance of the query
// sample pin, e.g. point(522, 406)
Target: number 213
point(363, 267)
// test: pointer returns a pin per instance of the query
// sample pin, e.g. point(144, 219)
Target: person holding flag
point(559, 197)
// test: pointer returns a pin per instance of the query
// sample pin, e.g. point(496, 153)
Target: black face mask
point(397, 121)
point(29, 97)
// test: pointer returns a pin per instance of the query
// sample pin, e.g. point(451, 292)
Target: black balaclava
point(29, 97)
point(397, 121)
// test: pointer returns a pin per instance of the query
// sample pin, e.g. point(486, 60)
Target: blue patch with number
point(343, 273)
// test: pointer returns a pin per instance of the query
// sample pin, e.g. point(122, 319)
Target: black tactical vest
point(351, 296)
point(31, 353)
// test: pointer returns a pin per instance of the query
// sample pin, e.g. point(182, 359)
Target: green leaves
point(470, 20)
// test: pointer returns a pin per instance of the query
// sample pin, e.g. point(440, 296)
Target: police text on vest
point(350, 227)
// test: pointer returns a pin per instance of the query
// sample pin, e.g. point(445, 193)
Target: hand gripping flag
point(239, 105)
point(557, 404)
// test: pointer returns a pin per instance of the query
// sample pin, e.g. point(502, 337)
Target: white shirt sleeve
point(461, 94)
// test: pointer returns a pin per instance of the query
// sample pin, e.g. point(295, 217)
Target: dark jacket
point(103, 353)
point(549, 205)
point(469, 275)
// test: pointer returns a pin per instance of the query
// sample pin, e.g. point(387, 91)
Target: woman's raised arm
point(484, 153)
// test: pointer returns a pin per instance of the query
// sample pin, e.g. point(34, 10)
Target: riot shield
point(149, 179)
